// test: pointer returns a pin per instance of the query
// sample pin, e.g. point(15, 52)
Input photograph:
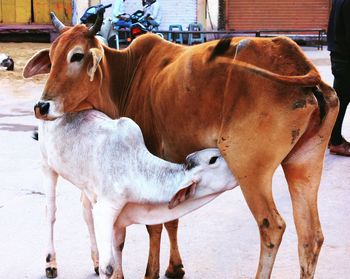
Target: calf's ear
point(96, 59)
point(183, 194)
point(39, 64)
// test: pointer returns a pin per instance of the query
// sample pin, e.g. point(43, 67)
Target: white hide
point(109, 158)
point(126, 184)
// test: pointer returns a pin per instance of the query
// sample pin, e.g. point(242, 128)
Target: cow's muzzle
point(41, 109)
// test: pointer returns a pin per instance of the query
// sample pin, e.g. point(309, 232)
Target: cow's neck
point(120, 68)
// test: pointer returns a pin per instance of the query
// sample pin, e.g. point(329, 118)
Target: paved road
point(220, 240)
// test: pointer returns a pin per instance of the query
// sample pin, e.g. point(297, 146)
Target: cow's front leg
point(155, 233)
point(258, 194)
point(104, 218)
point(50, 181)
point(87, 212)
point(175, 268)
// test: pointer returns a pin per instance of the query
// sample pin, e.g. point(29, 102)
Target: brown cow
point(261, 101)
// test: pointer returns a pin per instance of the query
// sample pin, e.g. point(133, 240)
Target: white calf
point(123, 182)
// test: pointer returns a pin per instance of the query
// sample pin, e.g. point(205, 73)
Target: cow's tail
point(312, 78)
point(327, 100)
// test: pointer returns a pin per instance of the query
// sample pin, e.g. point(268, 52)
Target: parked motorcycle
point(111, 33)
point(133, 26)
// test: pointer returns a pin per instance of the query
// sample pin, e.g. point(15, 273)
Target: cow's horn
point(98, 23)
point(56, 22)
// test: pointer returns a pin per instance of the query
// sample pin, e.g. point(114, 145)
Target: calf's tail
point(35, 135)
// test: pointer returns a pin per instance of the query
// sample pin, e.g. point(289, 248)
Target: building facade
point(213, 14)
point(277, 14)
point(35, 11)
point(181, 12)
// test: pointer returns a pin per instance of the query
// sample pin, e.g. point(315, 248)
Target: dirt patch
point(20, 52)
point(12, 82)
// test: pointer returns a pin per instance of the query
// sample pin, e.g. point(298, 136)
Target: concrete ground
point(220, 240)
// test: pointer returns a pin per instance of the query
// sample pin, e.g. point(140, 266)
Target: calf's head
point(73, 64)
point(206, 173)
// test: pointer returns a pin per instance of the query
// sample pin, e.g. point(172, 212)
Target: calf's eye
point(213, 160)
point(76, 57)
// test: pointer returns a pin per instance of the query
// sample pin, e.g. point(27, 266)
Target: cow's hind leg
point(303, 168)
point(303, 180)
point(175, 268)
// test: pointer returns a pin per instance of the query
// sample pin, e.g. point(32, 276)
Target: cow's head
point(73, 62)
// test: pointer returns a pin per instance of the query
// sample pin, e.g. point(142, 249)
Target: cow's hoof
point(97, 271)
point(177, 272)
point(51, 272)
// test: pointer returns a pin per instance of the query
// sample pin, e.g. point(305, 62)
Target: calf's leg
point(119, 239)
point(50, 181)
point(104, 218)
point(87, 213)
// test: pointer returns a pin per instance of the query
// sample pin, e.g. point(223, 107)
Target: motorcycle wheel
point(160, 35)
point(111, 42)
point(122, 41)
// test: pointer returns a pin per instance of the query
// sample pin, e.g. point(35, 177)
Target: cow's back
point(181, 99)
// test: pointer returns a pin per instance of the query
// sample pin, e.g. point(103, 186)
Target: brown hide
point(190, 101)
point(181, 101)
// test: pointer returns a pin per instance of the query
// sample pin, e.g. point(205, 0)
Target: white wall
point(212, 14)
point(173, 12)
point(79, 7)
point(181, 12)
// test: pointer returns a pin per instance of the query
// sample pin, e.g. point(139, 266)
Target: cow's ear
point(96, 58)
point(39, 64)
point(183, 194)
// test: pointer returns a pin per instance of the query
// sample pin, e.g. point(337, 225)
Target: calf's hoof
point(51, 272)
point(175, 272)
point(109, 270)
point(97, 271)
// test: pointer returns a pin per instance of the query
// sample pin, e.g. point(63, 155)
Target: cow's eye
point(213, 160)
point(76, 57)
